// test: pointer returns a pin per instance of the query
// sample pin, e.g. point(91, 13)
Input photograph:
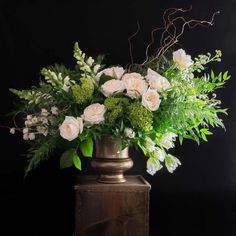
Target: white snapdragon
point(66, 83)
point(171, 163)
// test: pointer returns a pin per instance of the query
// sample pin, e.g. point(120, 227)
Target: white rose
point(129, 133)
point(134, 84)
point(115, 72)
point(94, 113)
point(151, 100)
point(71, 127)
point(182, 60)
point(157, 81)
point(112, 86)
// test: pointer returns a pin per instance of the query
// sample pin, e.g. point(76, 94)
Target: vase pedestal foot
point(111, 178)
point(111, 170)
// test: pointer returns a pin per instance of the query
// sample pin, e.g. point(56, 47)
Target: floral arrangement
point(148, 105)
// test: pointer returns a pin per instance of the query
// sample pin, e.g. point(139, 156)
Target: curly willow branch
point(130, 45)
point(170, 33)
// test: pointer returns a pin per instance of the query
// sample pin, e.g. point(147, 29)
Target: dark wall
point(198, 198)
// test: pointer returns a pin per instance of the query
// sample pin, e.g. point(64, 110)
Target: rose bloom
point(151, 100)
point(71, 127)
point(157, 81)
point(182, 60)
point(112, 86)
point(115, 72)
point(134, 84)
point(94, 113)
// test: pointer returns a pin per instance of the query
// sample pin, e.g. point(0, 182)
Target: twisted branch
point(170, 35)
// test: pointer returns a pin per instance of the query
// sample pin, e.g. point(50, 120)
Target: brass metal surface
point(111, 160)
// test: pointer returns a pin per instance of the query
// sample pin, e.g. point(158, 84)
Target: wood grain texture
point(112, 209)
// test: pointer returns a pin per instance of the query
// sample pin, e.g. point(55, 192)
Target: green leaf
point(181, 138)
point(86, 147)
point(206, 131)
point(76, 161)
point(104, 78)
point(66, 158)
point(142, 148)
point(204, 137)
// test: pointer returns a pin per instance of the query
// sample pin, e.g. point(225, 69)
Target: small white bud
point(54, 110)
point(26, 137)
point(44, 112)
point(25, 131)
point(31, 136)
point(34, 119)
point(29, 117)
point(12, 130)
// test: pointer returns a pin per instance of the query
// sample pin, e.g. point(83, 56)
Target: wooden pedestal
point(112, 209)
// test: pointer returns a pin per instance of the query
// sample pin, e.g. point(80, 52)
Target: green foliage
point(86, 147)
point(40, 151)
point(66, 159)
point(76, 161)
point(140, 118)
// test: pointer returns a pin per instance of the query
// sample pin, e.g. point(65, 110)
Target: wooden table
point(112, 209)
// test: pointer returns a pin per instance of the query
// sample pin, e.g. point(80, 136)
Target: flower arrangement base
point(103, 209)
point(111, 160)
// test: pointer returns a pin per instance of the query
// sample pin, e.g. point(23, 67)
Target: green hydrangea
point(140, 118)
point(115, 108)
point(83, 92)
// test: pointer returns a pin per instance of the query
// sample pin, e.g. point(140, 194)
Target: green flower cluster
point(140, 118)
point(115, 108)
point(82, 93)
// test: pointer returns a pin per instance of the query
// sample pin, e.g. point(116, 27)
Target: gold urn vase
point(111, 160)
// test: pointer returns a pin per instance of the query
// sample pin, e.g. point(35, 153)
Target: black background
point(198, 198)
